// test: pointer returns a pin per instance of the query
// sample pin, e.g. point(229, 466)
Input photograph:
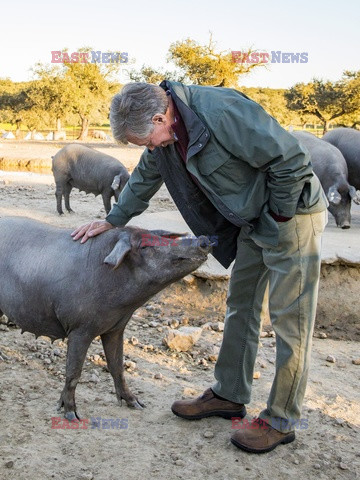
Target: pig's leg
point(107, 201)
point(68, 189)
point(78, 345)
point(113, 348)
point(58, 195)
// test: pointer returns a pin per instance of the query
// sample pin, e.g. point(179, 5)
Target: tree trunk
point(326, 125)
point(58, 125)
point(84, 128)
point(18, 130)
point(33, 132)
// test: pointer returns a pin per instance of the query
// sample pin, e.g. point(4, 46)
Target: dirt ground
point(153, 442)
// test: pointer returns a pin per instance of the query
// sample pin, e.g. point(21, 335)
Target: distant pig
point(88, 170)
point(347, 140)
point(53, 286)
point(330, 166)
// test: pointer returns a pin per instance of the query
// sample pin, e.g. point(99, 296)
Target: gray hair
point(132, 110)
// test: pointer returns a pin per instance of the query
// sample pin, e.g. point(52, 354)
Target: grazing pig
point(330, 166)
point(88, 170)
point(347, 140)
point(53, 286)
point(100, 134)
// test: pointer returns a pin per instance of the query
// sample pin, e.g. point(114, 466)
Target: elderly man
point(236, 174)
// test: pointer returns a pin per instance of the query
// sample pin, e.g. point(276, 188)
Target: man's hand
point(91, 230)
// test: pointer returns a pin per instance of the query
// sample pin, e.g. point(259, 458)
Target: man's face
point(161, 136)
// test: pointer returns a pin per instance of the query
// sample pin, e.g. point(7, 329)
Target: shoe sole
point(284, 441)
point(216, 413)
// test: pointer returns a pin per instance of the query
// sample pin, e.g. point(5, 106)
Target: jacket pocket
point(210, 161)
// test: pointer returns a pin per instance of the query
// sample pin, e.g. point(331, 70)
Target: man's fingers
point(78, 229)
point(90, 230)
point(79, 232)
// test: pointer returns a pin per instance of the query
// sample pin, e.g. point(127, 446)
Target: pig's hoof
point(135, 403)
point(72, 416)
point(71, 210)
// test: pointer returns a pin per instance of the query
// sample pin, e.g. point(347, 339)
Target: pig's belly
point(33, 322)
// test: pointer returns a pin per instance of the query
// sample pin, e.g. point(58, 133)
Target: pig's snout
point(205, 244)
point(345, 225)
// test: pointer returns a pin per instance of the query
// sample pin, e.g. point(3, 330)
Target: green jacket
point(245, 162)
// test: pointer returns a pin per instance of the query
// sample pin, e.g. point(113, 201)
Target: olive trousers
point(292, 270)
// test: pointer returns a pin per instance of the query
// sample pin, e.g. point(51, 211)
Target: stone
point(203, 362)
point(256, 375)
point(207, 326)
point(183, 339)
point(217, 326)
point(153, 324)
point(189, 279)
point(331, 359)
point(158, 376)
point(94, 378)
point(174, 323)
point(130, 365)
point(322, 335)
point(356, 361)
point(134, 341)
point(343, 466)
point(213, 353)
point(9, 464)
point(208, 434)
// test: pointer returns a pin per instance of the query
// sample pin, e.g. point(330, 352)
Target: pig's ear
point(355, 195)
point(333, 195)
point(116, 182)
point(165, 233)
point(120, 250)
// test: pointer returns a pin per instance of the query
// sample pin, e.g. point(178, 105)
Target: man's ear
point(158, 118)
point(120, 250)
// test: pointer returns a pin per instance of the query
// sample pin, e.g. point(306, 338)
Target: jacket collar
point(197, 131)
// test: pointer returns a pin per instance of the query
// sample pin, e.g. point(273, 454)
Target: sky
point(326, 30)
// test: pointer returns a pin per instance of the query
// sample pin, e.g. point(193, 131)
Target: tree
point(202, 65)
point(55, 92)
point(21, 104)
point(274, 102)
point(353, 93)
point(324, 99)
point(151, 75)
point(82, 88)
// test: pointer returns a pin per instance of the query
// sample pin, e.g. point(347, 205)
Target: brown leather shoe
point(258, 436)
point(207, 405)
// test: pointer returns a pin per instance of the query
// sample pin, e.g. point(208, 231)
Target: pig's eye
point(144, 245)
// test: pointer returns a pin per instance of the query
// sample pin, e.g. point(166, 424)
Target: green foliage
point(326, 100)
point(203, 65)
point(151, 75)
